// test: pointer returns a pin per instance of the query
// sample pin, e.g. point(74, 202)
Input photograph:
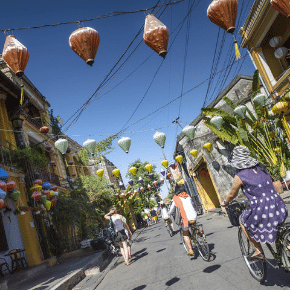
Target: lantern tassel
point(237, 52)
point(22, 92)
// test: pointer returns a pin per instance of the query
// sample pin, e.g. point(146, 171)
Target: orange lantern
point(149, 187)
point(123, 195)
point(85, 42)
point(10, 185)
point(142, 189)
point(52, 163)
point(36, 196)
point(47, 147)
point(2, 203)
point(224, 13)
point(168, 175)
point(37, 181)
point(155, 183)
point(129, 193)
point(156, 35)
point(16, 56)
point(47, 193)
point(73, 174)
point(53, 202)
point(282, 6)
point(117, 195)
point(44, 130)
point(54, 188)
point(3, 185)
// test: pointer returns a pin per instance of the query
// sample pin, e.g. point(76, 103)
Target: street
point(160, 262)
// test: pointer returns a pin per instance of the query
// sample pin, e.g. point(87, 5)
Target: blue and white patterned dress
point(267, 208)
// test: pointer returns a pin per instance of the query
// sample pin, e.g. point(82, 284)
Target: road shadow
point(209, 219)
point(136, 258)
point(139, 252)
point(211, 269)
point(157, 235)
point(160, 250)
point(117, 264)
point(172, 281)
point(209, 234)
point(230, 227)
point(139, 287)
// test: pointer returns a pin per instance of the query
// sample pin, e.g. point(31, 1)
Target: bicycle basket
point(234, 210)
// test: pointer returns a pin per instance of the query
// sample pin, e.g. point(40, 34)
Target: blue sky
point(67, 81)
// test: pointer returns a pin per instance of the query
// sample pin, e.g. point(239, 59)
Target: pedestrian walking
point(128, 236)
point(120, 225)
point(267, 208)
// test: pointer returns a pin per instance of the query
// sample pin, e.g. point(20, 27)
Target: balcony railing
point(44, 175)
point(36, 121)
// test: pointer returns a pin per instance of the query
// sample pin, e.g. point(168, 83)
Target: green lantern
point(260, 100)
point(43, 199)
point(240, 111)
point(217, 121)
point(61, 145)
point(160, 138)
point(14, 195)
point(189, 131)
point(125, 143)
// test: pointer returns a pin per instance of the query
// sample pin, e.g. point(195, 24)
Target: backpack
point(111, 229)
point(234, 210)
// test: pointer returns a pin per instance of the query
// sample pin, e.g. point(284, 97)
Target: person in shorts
point(153, 214)
point(165, 216)
point(128, 236)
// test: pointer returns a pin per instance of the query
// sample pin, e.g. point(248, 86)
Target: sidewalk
point(63, 276)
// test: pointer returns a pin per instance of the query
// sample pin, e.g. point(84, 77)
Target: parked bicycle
point(258, 268)
point(198, 240)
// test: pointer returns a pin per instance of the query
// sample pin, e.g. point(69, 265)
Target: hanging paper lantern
point(129, 193)
point(168, 175)
point(55, 194)
point(90, 146)
point(125, 143)
point(3, 185)
point(73, 174)
point(240, 111)
point(155, 183)
point(282, 6)
point(149, 167)
point(85, 43)
point(14, 195)
point(46, 186)
point(172, 165)
point(142, 189)
point(2, 194)
point(44, 130)
point(116, 172)
point(47, 193)
point(61, 145)
point(100, 172)
point(68, 150)
point(217, 121)
point(160, 138)
point(70, 162)
point(164, 163)
point(47, 147)
point(162, 171)
point(53, 202)
point(15, 55)
point(149, 187)
point(194, 152)
point(10, 185)
point(37, 181)
point(47, 205)
point(133, 170)
point(276, 41)
point(53, 187)
point(117, 195)
point(135, 192)
point(52, 163)
point(207, 146)
point(189, 132)
point(162, 180)
point(36, 187)
point(141, 180)
point(281, 52)
point(51, 193)
point(179, 158)
point(260, 100)
point(281, 108)
point(2, 204)
point(130, 182)
point(43, 199)
point(156, 35)
point(3, 175)
point(123, 195)
point(224, 13)
point(151, 176)
point(121, 185)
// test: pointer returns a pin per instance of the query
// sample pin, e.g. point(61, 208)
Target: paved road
point(160, 262)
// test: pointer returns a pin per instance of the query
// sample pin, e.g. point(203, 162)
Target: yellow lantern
point(47, 205)
point(280, 108)
point(116, 172)
point(193, 152)
point(100, 172)
point(133, 170)
point(149, 167)
point(179, 158)
point(164, 163)
point(207, 146)
point(51, 193)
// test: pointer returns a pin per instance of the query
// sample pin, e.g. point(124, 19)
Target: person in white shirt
point(183, 202)
point(166, 216)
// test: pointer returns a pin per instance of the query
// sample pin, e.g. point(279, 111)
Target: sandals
point(258, 257)
point(190, 253)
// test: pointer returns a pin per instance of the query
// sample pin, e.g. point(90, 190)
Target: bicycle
point(168, 227)
point(197, 239)
point(258, 268)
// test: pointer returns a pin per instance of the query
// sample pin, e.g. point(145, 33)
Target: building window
point(3, 240)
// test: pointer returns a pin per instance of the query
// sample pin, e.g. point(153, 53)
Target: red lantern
point(282, 6)
point(149, 187)
point(44, 130)
point(15, 55)
point(70, 162)
point(155, 183)
point(2, 203)
point(47, 147)
point(47, 193)
point(10, 185)
point(3, 185)
point(36, 196)
point(85, 42)
point(52, 163)
point(142, 189)
point(54, 188)
point(37, 181)
point(68, 150)
point(156, 35)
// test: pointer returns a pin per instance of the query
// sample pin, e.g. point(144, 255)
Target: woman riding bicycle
point(166, 216)
point(267, 208)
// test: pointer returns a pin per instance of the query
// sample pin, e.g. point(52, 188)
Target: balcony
point(35, 121)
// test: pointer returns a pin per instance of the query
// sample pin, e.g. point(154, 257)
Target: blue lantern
point(3, 175)
point(46, 186)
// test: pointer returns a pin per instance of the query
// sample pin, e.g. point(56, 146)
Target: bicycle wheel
point(257, 268)
point(201, 244)
point(285, 254)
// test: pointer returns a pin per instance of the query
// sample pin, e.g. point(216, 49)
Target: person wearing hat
point(183, 202)
point(267, 208)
